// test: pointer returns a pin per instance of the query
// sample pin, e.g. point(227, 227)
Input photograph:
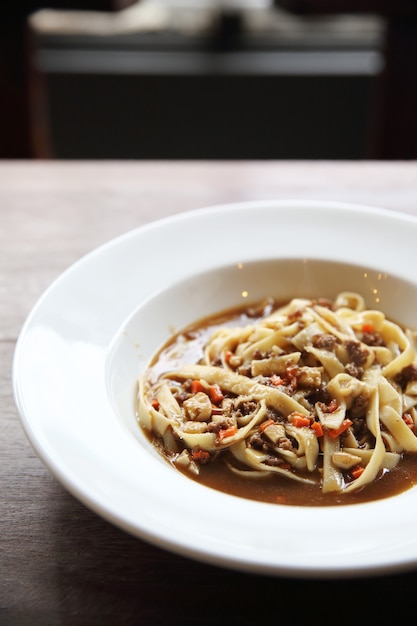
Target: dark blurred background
point(177, 79)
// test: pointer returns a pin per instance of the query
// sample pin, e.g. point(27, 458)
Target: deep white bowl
point(88, 338)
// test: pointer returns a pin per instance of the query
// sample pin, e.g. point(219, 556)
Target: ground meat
point(220, 424)
point(408, 374)
point(325, 341)
point(291, 376)
point(328, 407)
point(295, 315)
point(319, 395)
point(361, 431)
point(372, 339)
point(186, 385)
point(274, 461)
point(286, 444)
point(246, 408)
point(357, 354)
point(229, 411)
point(359, 407)
point(257, 442)
point(180, 396)
point(273, 415)
point(354, 370)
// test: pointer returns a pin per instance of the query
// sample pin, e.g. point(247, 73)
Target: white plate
point(84, 343)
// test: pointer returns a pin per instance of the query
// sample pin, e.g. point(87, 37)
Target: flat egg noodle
point(359, 362)
point(240, 385)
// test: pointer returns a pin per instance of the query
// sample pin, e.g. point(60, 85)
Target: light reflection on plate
point(87, 339)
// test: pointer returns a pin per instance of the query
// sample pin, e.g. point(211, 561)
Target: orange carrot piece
point(155, 404)
point(300, 421)
point(276, 380)
point(357, 471)
point(265, 424)
point(196, 386)
point(227, 432)
point(368, 328)
point(334, 433)
point(332, 407)
point(200, 455)
point(318, 429)
point(408, 420)
point(216, 394)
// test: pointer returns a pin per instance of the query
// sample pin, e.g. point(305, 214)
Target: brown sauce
point(279, 490)
point(186, 347)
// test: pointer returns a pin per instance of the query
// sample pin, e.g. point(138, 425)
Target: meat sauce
point(187, 347)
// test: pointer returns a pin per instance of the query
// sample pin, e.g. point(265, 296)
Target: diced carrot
point(332, 407)
point(265, 424)
point(228, 355)
point(276, 380)
point(368, 328)
point(334, 433)
point(300, 421)
point(155, 404)
point(200, 455)
point(215, 393)
point(356, 471)
point(318, 429)
point(227, 432)
point(196, 386)
point(291, 373)
point(408, 420)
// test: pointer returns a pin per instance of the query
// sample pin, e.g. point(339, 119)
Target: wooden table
point(59, 562)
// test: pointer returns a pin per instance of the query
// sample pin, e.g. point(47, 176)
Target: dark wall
point(209, 117)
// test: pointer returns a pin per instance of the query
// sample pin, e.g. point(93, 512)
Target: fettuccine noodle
point(318, 391)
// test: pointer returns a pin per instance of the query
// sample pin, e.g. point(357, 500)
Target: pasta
point(315, 391)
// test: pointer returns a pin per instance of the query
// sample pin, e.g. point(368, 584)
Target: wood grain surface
point(59, 562)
